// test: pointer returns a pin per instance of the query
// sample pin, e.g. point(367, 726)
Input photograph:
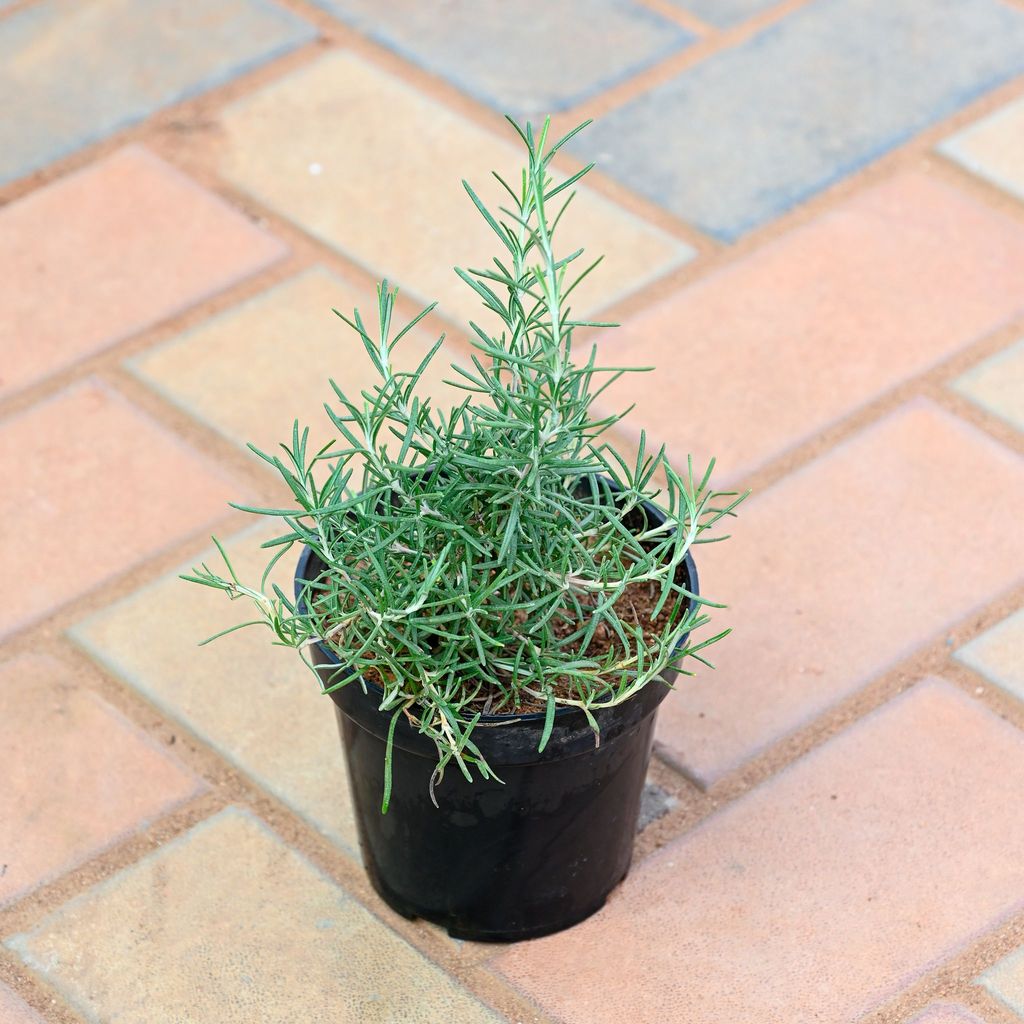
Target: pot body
point(500, 861)
point(497, 861)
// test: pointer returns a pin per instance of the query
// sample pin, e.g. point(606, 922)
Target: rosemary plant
point(470, 558)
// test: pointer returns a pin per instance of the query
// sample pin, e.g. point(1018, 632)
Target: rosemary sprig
point(472, 556)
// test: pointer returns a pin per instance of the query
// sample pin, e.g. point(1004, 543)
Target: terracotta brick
point(227, 923)
point(311, 146)
point(945, 1013)
point(108, 251)
point(83, 71)
point(997, 385)
point(840, 570)
point(1006, 981)
point(13, 1010)
point(993, 148)
point(764, 353)
point(91, 487)
point(289, 343)
point(998, 654)
point(257, 704)
point(78, 776)
point(818, 895)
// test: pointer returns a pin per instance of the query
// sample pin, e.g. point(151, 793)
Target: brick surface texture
point(798, 646)
point(944, 1013)
point(812, 218)
point(814, 897)
point(14, 1010)
point(809, 327)
point(259, 706)
point(424, 223)
point(103, 253)
point(993, 148)
point(230, 904)
point(1005, 981)
point(724, 13)
point(78, 776)
point(998, 654)
point(284, 337)
point(997, 385)
point(87, 475)
point(528, 79)
point(82, 71)
point(766, 124)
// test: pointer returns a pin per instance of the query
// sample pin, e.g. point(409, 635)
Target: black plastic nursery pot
point(535, 853)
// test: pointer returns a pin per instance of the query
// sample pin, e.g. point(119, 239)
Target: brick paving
point(998, 654)
point(113, 249)
point(86, 456)
point(943, 1013)
point(423, 225)
point(1006, 981)
point(993, 148)
point(276, 941)
point(14, 1010)
point(816, 895)
point(997, 384)
point(812, 211)
point(82, 71)
point(103, 777)
point(279, 334)
point(283, 738)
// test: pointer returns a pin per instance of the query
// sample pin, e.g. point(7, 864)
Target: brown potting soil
point(634, 608)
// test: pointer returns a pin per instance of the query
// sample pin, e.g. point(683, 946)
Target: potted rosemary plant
point(492, 598)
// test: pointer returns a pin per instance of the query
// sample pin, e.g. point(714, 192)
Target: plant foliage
point(470, 556)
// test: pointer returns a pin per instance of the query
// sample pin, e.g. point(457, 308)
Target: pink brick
point(90, 487)
point(77, 775)
point(13, 1010)
point(817, 896)
point(107, 251)
point(840, 570)
point(764, 353)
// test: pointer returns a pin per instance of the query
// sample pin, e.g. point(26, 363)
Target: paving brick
point(83, 71)
point(817, 896)
point(1006, 981)
point(91, 487)
point(832, 576)
point(77, 775)
point(107, 251)
point(725, 13)
point(998, 654)
point(945, 1013)
point(13, 1010)
point(257, 704)
point(997, 385)
point(290, 343)
point(737, 139)
point(204, 928)
point(764, 353)
point(611, 40)
point(311, 147)
point(993, 148)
